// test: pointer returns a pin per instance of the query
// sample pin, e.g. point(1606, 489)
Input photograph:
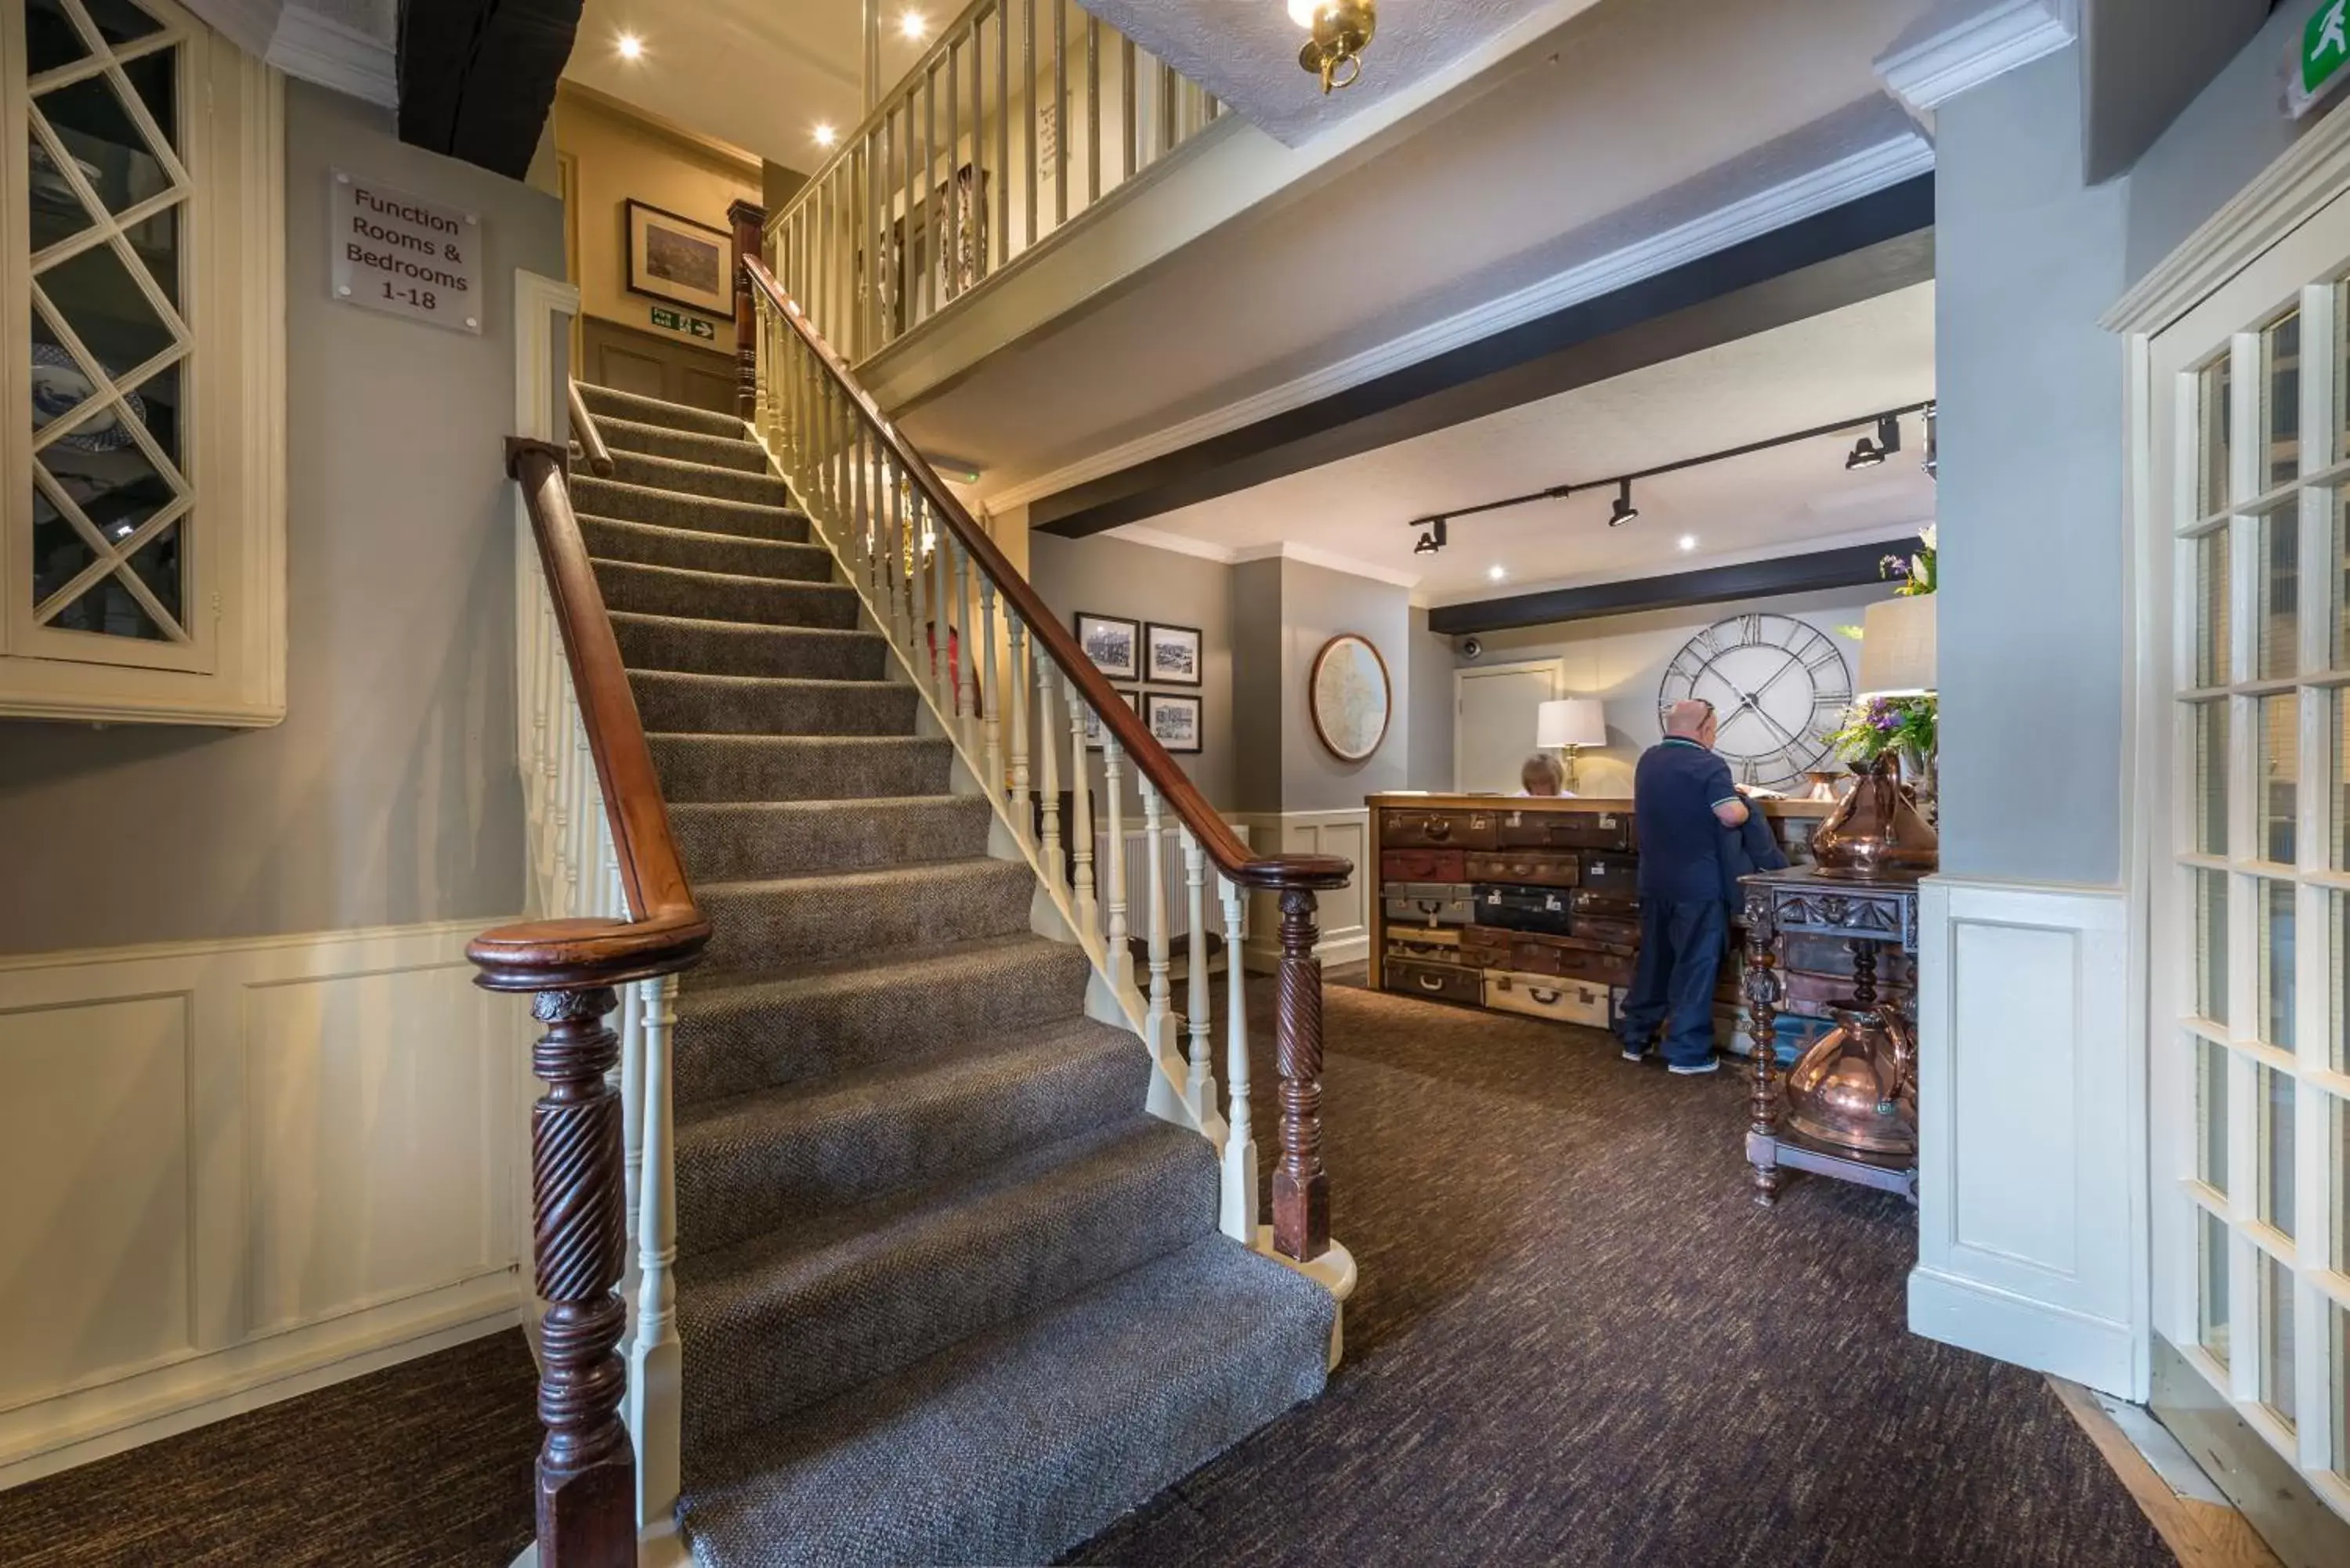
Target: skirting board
point(2009, 1327)
point(242, 1170)
point(1345, 928)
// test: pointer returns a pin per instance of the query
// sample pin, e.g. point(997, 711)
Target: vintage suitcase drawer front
point(1532, 955)
point(1433, 904)
point(1436, 829)
point(1486, 947)
point(1606, 906)
point(1522, 909)
point(1527, 867)
point(1540, 996)
point(1564, 829)
point(1417, 948)
point(1616, 874)
point(1436, 982)
point(1422, 866)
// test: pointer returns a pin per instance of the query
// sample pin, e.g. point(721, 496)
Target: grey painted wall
point(1317, 605)
point(389, 795)
point(1115, 576)
point(1427, 702)
point(1257, 685)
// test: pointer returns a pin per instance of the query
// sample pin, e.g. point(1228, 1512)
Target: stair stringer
point(1051, 913)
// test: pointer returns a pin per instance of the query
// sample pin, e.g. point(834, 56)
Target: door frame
point(1461, 674)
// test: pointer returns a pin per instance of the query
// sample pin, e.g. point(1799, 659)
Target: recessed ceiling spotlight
point(1623, 511)
point(1497, 573)
point(913, 26)
point(1688, 543)
point(630, 47)
point(826, 136)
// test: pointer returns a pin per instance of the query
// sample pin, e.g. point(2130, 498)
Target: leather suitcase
point(1522, 908)
point(1550, 956)
point(1419, 946)
point(1525, 868)
point(1616, 874)
point(1422, 866)
point(1410, 829)
point(1620, 933)
point(1434, 982)
point(1486, 947)
point(1428, 903)
point(1565, 830)
point(1539, 996)
point(1607, 906)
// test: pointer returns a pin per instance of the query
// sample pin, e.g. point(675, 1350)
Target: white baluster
point(1202, 1081)
point(1023, 820)
point(655, 1400)
point(918, 596)
point(1048, 788)
point(967, 691)
point(942, 608)
point(1239, 1217)
point(992, 702)
point(1121, 957)
point(1081, 815)
point(1154, 913)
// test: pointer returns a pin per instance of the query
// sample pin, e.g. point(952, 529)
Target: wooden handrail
point(1222, 846)
point(591, 439)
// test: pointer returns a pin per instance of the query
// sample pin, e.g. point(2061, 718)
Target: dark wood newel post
point(750, 222)
point(1301, 1187)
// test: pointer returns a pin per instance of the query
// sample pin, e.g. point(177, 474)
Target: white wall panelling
point(2031, 1235)
point(242, 1170)
point(1346, 930)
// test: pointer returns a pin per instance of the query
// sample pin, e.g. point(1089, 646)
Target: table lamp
point(1896, 648)
point(1566, 722)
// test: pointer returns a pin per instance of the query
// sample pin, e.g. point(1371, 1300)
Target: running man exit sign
point(2319, 56)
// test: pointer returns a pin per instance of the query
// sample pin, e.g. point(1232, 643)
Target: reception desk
point(1524, 905)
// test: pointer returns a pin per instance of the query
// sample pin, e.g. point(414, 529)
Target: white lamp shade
point(1571, 722)
point(1896, 646)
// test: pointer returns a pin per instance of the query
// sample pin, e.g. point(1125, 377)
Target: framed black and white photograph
point(1174, 719)
point(1173, 652)
point(674, 258)
point(1114, 645)
point(1094, 723)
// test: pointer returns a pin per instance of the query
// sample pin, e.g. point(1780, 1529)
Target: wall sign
point(2319, 54)
point(393, 252)
point(678, 321)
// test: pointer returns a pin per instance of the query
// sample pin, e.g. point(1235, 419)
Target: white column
point(1202, 1081)
point(1081, 814)
point(1121, 957)
point(655, 1402)
point(1239, 1215)
point(1154, 913)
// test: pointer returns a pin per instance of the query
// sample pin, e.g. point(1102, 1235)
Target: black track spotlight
point(1625, 511)
point(1432, 541)
point(1866, 454)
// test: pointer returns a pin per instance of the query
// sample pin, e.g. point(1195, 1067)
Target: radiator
point(1136, 855)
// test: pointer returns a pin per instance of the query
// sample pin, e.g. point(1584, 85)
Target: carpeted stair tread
point(1020, 1443)
point(730, 840)
point(700, 478)
point(732, 648)
point(770, 704)
point(756, 1162)
point(737, 451)
point(758, 1028)
point(767, 601)
point(785, 1320)
point(672, 509)
point(779, 920)
point(613, 539)
point(610, 401)
point(799, 767)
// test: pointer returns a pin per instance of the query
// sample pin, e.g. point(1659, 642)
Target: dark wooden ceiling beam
point(1862, 249)
point(1846, 567)
point(477, 76)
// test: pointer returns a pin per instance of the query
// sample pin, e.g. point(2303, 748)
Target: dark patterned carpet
point(1576, 1341)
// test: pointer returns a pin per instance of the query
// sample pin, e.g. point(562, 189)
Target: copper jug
point(1856, 1086)
point(1875, 831)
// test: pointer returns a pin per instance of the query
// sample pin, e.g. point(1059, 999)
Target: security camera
point(1472, 648)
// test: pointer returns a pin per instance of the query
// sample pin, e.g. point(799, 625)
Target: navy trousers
point(1682, 944)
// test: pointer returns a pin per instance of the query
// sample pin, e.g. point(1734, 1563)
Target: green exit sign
point(2319, 56)
point(693, 326)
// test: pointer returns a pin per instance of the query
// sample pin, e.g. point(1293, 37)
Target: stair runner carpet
point(947, 1293)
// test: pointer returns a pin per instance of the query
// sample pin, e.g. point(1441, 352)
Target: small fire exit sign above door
point(2320, 56)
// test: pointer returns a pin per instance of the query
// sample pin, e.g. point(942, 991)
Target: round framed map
point(1350, 697)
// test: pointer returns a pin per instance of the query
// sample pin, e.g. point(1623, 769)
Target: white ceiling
point(1874, 355)
point(1246, 51)
point(762, 74)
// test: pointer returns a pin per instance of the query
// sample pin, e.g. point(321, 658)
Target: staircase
point(946, 1292)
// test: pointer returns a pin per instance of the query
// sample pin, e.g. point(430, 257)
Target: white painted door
point(1494, 731)
point(2250, 845)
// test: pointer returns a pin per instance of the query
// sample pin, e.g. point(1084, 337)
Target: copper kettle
point(1856, 1086)
point(1875, 831)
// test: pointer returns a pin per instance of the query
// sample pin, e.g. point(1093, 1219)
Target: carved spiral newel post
point(1301, 1187)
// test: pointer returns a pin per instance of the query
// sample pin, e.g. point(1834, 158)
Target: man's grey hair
point(1688, 716)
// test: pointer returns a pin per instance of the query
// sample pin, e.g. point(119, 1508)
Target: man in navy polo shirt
point(1683, 798)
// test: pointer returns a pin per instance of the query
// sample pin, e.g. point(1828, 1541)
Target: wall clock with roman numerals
point(1779, 687)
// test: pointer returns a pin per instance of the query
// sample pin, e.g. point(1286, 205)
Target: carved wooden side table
point(1869, 915)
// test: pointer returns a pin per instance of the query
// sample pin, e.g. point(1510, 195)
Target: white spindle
point(1081, 814)
point(1121, 957)
point(967, 674)
point(1202, 1081)
point(1154, 913)
point(1239, 1219)
point(992, 702)
point(918, 595)
point(1048, 789)
point(655, 1402)
point(942, 607)
point(1023, 820)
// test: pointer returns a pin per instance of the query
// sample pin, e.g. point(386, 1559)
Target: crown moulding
point(1962, 44)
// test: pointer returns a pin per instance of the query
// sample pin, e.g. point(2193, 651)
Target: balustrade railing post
point(1121, 956)
point(1238, 1219)
point(1081, 814)
point(1049, 792)
point(1154, 913)
point(992, 702)
point(1301, 1187)
point(656, 1357)
point(748, 218)
point(1023, 820)
point(1202, 1083)
point(967, 653)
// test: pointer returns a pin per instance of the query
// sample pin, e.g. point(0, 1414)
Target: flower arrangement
point(1886, 726)
point(1915, 575)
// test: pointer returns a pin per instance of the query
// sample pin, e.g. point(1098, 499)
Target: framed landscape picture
point(1174, 719)
point(677, 259)
point(1173, 652)
point(1115, 645)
